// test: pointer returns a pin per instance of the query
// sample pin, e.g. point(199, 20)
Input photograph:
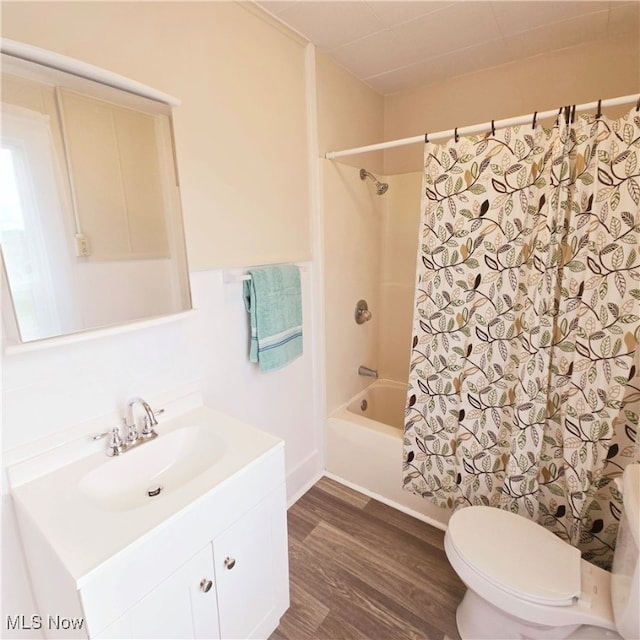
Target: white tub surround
point(364, 450)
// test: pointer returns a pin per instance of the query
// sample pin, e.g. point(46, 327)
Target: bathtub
point(364, 449)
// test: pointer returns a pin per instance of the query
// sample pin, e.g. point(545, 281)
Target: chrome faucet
point(365, 371)
point(117, 445)
point(150, 421)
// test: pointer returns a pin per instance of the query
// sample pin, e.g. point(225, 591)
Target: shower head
point(381, 187)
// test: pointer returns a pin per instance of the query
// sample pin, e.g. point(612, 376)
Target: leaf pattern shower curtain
point(524, 391)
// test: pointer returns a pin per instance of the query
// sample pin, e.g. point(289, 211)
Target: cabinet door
point(251, 566)
point(182, 606)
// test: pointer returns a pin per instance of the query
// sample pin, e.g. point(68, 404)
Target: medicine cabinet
point(90, 219)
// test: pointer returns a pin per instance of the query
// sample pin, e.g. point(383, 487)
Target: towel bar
point(238, 275)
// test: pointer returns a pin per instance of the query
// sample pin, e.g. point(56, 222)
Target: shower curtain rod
point(476, 128)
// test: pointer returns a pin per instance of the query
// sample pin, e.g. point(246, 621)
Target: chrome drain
point(152, 492)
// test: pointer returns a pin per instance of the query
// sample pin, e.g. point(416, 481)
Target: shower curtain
point(524, 391)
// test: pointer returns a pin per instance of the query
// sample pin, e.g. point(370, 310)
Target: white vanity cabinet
point(206, 560)
point(182, 606)
point(235, 587)
point(249, 561)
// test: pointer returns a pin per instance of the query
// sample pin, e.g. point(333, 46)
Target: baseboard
point(303, 476)
point(390, 503)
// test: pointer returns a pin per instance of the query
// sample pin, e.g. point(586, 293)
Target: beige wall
point(350, 114)
point(605, 69)
point(241, 130)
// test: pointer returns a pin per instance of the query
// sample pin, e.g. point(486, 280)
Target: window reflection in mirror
point(90, 222)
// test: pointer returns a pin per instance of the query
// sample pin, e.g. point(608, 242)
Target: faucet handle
point(362, 312)
point(131, 430)
point(116, 446)
point(147, 428)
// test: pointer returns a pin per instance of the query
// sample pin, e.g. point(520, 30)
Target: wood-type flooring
point(362, 570)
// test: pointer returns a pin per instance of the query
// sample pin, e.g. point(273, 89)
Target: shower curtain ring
point(493, 127)
point(535, 117)
point(426, 138)
point(456, 137)
point(558, 116)
point(573, 114)
point(599, 112)
point(638, 105)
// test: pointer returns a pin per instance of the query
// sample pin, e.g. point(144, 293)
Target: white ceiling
point(393, 45)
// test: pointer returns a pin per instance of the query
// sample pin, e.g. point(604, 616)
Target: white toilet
point(524, 582)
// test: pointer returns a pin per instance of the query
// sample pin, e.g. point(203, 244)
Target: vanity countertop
point(85, 533)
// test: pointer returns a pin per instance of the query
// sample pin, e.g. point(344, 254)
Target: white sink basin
point(152, 470)
point(75, 502)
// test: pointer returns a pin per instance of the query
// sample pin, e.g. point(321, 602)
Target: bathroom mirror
point(90, 220)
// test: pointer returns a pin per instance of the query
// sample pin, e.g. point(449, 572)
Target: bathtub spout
point(365, 371)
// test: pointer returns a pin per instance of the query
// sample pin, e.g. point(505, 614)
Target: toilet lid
point(516, 554)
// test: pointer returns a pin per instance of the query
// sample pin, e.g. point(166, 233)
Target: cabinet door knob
point(229, 563)
point(205, 585)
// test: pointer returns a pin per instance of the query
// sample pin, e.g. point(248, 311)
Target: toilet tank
point(625, 578)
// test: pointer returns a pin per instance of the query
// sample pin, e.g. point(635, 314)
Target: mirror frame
point(84, 70)
point(81, 69)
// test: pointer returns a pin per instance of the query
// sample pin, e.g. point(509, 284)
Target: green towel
point(273, 300)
